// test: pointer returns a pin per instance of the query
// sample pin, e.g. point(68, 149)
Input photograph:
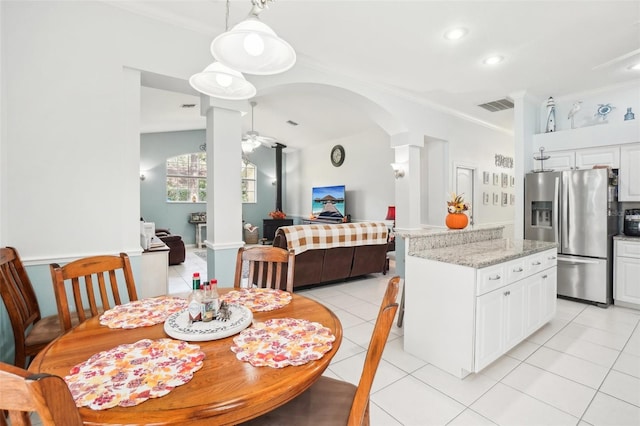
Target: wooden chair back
point(22, 306)
point(22, 393)
point(85, 275)
point(265, 267)
point(360, 407)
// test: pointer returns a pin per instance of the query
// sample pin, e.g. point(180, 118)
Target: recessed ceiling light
point(455, 33)
point(493, 60)
point(635, 67)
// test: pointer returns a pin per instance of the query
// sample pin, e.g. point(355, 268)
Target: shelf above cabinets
point(591, 136)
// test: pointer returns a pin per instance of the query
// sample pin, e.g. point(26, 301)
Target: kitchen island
point(471, 295)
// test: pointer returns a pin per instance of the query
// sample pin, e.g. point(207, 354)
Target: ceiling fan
point(252, 139)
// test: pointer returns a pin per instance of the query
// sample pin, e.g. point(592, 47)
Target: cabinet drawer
point(491, 278)
point(628, 249)
point(515, 270)
point(535, 263)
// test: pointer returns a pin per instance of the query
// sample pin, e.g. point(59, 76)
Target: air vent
point(499, 105)
point(293, 123)
point(187, 106)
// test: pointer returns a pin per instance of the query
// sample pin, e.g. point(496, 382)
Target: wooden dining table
point(224, 391)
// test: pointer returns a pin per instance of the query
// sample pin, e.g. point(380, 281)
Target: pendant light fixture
point(220, 81)
point(253, 47)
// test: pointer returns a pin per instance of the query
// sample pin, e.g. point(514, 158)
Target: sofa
point(177, 251)
point(334, 252)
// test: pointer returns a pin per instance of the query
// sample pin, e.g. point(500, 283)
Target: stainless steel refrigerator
point(578, 210)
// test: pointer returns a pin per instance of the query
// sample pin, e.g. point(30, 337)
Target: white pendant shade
point(220, 81)
point(253, 48)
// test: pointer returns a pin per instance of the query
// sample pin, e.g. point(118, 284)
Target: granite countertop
point(485, 253)
point(626, 238)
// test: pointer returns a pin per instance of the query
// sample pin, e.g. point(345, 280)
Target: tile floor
point(582, 368)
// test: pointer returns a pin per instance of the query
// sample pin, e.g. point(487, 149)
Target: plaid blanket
point(301, 238)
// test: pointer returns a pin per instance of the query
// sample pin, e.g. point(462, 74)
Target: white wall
point(366, 174)
point(73, 163)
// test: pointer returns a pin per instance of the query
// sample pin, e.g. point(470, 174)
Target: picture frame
point(485, 178)
point(496, 179)
point(505, 179)
point(496, 199)
point(512, 199)
point(199, 217)
point(513, 181)
point(505, 199)
point(485, 198)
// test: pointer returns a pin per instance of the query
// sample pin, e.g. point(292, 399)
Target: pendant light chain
point(226, 18)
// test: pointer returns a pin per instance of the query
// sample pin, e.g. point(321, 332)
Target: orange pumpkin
point(457, 220)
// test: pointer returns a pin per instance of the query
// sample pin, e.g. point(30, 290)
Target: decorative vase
point(457, 220)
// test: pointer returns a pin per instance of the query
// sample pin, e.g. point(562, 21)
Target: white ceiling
point(551, 48)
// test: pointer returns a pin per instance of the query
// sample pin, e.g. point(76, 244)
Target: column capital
point(207, 102)
point(407, 139)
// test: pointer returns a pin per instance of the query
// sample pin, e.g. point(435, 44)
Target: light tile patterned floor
point(582, 368)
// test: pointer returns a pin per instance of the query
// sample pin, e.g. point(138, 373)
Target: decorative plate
point(258, 299)
point(129, 374)
point(142, 313)
point(281, 342)
point(178, 327)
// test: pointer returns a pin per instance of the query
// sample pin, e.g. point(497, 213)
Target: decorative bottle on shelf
point(210, 301)
point(194, 301)
point(629, 115)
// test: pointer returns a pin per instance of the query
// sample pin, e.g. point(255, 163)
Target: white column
point(407, 153)
point(224, 199)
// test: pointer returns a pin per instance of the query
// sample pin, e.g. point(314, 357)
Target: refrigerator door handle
point(565, 211)
point(556, 214)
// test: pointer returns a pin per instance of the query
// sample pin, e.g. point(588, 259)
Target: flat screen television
point(328, 201)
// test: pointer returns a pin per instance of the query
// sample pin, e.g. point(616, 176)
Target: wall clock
point(337, 155)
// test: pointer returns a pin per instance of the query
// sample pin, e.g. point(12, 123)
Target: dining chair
point(31, 332)
point(84, 275)
point(333, 402)
point(22, 392)
point(265, 267)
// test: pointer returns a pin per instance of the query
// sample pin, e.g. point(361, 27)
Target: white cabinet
point(583, 158)
point(461, 319)
point(560, 160)
point(500, 322)
point(626, 290)
point(154, 273)
point(629, 173)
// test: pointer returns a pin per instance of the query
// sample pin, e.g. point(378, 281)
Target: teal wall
point(155, 148)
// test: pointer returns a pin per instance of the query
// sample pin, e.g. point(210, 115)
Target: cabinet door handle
point(544, 277)
point(517, 270)
point(551, 258)
point(536, 263)
point(507, 293)
point(495, 278)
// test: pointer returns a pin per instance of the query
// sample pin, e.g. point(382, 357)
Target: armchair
point(174, 242)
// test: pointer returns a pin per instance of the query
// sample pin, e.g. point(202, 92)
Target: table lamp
point(391, 215)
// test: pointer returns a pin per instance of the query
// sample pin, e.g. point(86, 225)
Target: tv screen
point(328, 201)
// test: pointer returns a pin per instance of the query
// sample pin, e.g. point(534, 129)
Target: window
point(248, 182)
point(187, 178)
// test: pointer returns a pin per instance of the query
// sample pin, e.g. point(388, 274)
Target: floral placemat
point(258, 299)
point(142, 313)
point(129, 374)
point(281, 342)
